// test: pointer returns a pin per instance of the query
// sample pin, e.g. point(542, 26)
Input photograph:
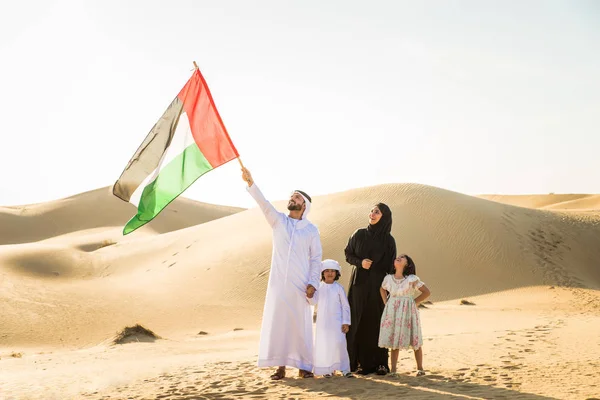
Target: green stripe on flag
point(172, 180)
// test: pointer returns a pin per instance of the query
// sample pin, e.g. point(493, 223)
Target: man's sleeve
point(315, 299)
point(270, 213)
point(316, 257)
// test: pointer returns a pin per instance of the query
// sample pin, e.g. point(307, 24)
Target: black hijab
point(384, 227)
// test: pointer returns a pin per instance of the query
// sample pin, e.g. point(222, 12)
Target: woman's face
point(374, 215)
point(399, 263)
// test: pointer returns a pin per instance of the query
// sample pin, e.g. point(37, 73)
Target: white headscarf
point(307, 202)
point(330, 264)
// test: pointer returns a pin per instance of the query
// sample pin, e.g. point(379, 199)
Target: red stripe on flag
point(207, 127)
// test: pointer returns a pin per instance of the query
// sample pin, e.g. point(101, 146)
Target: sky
point(476, 97)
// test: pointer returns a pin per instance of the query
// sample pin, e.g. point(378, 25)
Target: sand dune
point(473, 246)
point(63, 287)
point(96, 209)
point(570, 202)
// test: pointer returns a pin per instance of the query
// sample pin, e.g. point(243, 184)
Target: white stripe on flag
point(181, 140)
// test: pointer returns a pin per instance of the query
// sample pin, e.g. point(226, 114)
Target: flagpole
point(238, 158)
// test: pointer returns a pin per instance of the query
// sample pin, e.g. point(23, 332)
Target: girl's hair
point(409, 268)
point(337, 275)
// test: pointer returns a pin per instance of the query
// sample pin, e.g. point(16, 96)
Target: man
point(286, 334)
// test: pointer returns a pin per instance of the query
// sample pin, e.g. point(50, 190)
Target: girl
point(333, 322)
point(400, 322)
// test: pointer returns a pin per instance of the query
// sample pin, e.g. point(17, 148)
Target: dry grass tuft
point(136, 333)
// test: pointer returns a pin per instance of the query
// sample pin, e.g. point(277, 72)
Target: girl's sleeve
point(415, 281)
point(345, 307)
point(386, 284)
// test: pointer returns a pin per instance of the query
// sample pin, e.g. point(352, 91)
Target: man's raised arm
point(271, 214)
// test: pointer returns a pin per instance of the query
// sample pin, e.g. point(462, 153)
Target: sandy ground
point(69, 282)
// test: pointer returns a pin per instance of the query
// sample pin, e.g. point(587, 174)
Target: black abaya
point(366, 305)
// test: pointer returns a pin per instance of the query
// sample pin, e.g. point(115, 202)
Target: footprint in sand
point(466, 388)
point(436, 377)
point(261, 274)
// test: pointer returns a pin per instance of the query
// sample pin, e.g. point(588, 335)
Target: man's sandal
point(279, 374)
point(305, 374)
point(420, 372)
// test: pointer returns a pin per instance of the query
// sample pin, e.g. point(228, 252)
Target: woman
point(371, 251)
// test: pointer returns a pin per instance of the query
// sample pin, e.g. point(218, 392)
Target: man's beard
point(294, 207)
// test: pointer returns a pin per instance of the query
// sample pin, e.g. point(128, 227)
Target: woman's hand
point(345, 328)
point(366, 263)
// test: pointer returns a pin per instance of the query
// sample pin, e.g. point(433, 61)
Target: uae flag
point(187, 141)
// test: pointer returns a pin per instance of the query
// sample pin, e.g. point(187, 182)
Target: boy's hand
point(310, 291)
point(345, 328)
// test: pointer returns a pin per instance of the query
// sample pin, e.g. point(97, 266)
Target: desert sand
point(196, 277)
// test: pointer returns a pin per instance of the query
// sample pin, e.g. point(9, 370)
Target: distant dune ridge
point(570, 202)
point(96, 209)
point(462, 246)
point(69, 279)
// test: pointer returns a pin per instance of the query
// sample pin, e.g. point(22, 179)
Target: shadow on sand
point(426, 387)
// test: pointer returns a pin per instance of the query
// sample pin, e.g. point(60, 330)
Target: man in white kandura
point(286, 337)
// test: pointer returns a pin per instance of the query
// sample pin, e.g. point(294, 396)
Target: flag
point(188, 141)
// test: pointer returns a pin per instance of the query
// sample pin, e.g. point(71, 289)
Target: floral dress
point(400, 321)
